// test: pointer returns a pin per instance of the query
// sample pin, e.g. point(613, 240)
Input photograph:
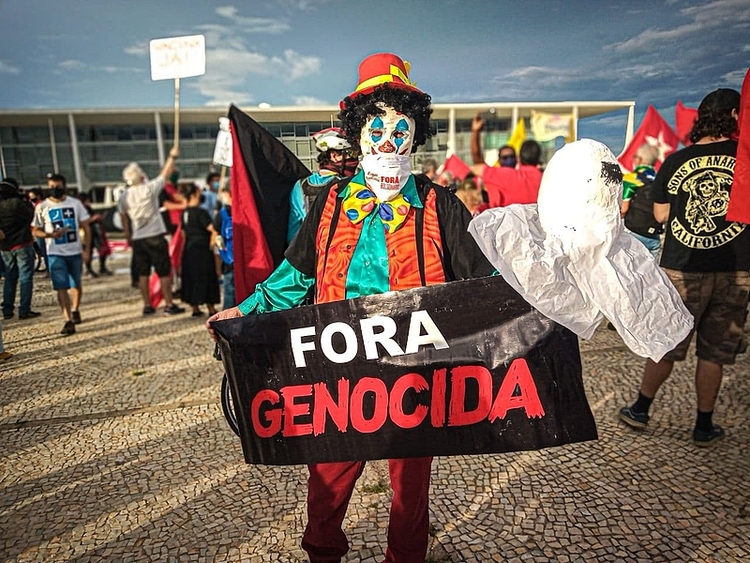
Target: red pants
point(328, 492)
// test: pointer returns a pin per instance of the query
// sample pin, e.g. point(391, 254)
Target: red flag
point(456, 166)
point(653, 131)
point(683, 120)
point(264, 172)
point(739, 197)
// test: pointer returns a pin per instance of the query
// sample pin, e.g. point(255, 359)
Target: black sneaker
point(148, 310)
point(173, 310)
point(29, 315)
point(704, 438)
point(638, 420)
point(68, 328)
point(75, 317)
point(7, 316)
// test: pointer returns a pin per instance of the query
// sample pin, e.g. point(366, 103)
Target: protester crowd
point(181, 238)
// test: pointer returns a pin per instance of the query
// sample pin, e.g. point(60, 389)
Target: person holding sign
point(383, 229)
point(144, 230)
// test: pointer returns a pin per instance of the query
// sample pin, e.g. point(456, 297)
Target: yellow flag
point(549, 126)
point(518, 136)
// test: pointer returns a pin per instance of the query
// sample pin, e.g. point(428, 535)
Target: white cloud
point(74, 65)
point(118, 69)
point(6, 68)
point(139, 49)
point(71, 64)
point(309, 101)
point(733, 78)
point(231, 67)
point(703, 20)
point(297, 65)
point(303, 5)
point(251, 24)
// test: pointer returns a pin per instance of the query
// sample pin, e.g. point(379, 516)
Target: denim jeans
point(19, 266)
point(652, 243)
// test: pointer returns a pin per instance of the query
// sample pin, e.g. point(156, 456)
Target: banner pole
point(222, 176)
point(177, 112)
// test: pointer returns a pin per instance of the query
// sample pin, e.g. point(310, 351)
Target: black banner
point(460, 368)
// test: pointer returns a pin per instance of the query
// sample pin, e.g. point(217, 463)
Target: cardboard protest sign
point(428, 371)
point(177, 57)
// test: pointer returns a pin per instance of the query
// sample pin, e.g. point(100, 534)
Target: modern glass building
point(92, 146)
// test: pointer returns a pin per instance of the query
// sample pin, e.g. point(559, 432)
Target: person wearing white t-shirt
point(145, 230)
point(58, 220)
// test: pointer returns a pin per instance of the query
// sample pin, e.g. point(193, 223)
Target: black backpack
point(640, 216)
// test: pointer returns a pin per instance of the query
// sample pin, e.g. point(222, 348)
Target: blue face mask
point(508, 161)
point(215, 185)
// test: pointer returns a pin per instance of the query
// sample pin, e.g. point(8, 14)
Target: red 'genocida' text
point(288, 411)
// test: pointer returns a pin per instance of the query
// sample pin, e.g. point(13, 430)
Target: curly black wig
point(358, 109)
point(715, 117)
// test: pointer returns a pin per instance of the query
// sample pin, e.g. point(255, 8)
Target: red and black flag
point(263, 174)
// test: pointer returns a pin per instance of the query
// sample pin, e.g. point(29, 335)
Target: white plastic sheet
point(570, 257)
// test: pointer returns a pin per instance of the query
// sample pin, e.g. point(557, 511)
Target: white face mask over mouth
point(386, 143)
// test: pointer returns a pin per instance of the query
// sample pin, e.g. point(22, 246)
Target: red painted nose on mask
point(387, 147)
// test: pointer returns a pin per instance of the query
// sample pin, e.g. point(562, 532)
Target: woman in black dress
point(199, 281)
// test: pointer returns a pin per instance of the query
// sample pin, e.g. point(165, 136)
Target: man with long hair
point(706, 257)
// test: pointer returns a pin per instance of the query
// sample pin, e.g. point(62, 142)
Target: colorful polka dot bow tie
point(360, 203)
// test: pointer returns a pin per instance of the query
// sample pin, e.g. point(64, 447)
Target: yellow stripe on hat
point(395, 72)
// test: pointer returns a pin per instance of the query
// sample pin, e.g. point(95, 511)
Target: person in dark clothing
point(707, 258)
point(199, 282)
point(17, 246)
point(99, 240)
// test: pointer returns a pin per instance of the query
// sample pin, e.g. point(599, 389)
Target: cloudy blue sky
point(64, 54)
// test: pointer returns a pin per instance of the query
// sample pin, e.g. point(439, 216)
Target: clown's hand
point(232, 313)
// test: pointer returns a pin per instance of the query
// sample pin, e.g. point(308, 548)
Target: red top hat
point(383, 68)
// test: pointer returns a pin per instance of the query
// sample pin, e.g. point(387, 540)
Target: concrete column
point(630, 125)
point(74, 150)
point(53, 146)
point(451, 133)
point(159, 139)
point(2, 162)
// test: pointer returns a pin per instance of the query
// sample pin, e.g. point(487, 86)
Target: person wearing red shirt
point(505, 185)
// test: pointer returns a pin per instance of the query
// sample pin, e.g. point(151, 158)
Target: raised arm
point(168, 168)
point(477, 159)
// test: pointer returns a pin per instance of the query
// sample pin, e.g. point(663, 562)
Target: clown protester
point(384, 229)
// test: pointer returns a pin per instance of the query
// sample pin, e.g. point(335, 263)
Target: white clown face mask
point(389, 134)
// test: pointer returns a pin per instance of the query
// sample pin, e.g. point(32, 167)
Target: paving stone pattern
point(113, 447)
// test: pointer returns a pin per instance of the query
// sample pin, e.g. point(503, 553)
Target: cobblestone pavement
point(113, 447)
